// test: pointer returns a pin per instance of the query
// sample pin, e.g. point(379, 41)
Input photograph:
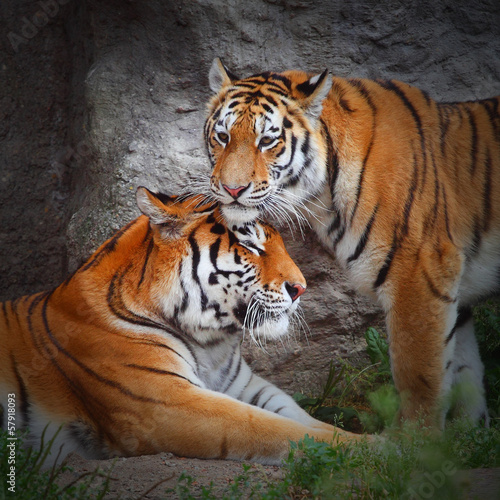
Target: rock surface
point(98, 97)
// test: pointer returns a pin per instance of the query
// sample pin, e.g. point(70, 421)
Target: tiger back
point(139, 351)
point(399, 187)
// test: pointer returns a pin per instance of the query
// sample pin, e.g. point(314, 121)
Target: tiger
point(399, 188)
point(138, 352)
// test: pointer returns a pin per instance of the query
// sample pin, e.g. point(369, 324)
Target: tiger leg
point(205, 424)
point(259, 392)
point(465, 372)
point(418, 324)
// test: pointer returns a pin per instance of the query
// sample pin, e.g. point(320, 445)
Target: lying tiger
point(139, 351)
point(403, 190)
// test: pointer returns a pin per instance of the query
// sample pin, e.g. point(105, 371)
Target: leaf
point(334, 414)
point(378, 350)
point(307, 402)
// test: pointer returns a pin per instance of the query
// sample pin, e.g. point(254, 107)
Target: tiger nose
point(234, 192)
point(295, 290)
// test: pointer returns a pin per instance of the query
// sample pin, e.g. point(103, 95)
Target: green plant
point(30, 479)
point(487, 326)
point(322, 407)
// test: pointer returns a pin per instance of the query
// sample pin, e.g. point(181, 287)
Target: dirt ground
point(135, 478)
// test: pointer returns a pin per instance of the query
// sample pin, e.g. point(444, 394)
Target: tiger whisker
point(298, 204)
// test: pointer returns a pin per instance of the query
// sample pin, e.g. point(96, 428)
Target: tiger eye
point(266, 140)
point(223, 137)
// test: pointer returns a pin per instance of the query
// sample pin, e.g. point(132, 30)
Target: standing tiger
point(139, 351)
point(400, 188)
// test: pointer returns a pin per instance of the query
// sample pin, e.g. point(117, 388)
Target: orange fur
point(106, 356)
point(400, 187)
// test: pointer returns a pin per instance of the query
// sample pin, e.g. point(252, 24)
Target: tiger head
point(264, 139)
point(225, 279)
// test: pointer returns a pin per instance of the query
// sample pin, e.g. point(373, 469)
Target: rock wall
point(98, 97)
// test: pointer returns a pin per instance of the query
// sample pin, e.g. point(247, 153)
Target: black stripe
point(391, 86)
point(464, 315)
point(432, 287)
point(254, 401)
point(340, 93)
point(338, 238)
point(431, 219)
point(275, 89)
point(35, 300)
point(424, 381)
point(4, 313)
point(287, 123)
point(364, 237)
point(366, 95)
point(23, 393)
point(235, 374)
point(292, 155)
point(446, 216)
point(226, 369)
point(476, 239)
point(409, 201)
point(214, 252)
point(400, 232)
point(491, 107)
point(196, 256)
point(305, 145)
point(487, 193)
point(84, 396)
point(332, 159)
point(84, 367)
point(267, 108)
point(159, 372)
point(474, 140)
point(283, 79)
point(117, 306)
point(384, 270)
point(108, 247)
point(267, 401)
point(425, 95)
point(148, 254)
point(270, 100)
point(335, 224)
point(444, 123)
point(153, 343)
point(248, 84)
point(215, 116)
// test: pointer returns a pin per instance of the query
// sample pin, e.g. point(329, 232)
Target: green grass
point(33, 480)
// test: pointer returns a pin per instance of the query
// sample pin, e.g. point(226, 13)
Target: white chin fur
point(239, 214)
point(272, 329)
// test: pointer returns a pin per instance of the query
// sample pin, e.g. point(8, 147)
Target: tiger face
point(260, 163)
point(228, 278)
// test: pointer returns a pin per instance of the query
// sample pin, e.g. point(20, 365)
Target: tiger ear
point(219, 76)
point(314, 91)
point(172, 211)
